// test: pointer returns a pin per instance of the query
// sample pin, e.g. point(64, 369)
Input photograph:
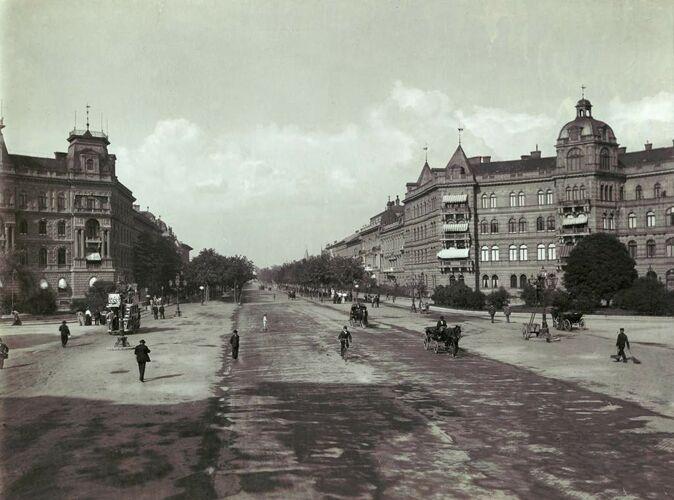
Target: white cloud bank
point(270, 191)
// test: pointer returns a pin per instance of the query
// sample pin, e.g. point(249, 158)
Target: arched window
point(568, 193)
point(669, 246)
point(582, 192)
point(485, 281)
point(61, 202)
point(575, 192)
point(43, 257)
point(92, 229)
point(495, 255)
point(551, 223)
point(650, 249)
point(461, 278)
point(494, 281)
point(61, 228)
point(638, 193)
point(23, 226)
point(513, 281)
point(492, 201)
point(601, 192)
point(512, 253)
point(485, 201)
point(513, 200)
point(90, 164)
point(610, 193)
point(611, 221)
point(494, 226)
point(574, 159)
point(452, 280)
point(483, 226)
point(552, 252)
point(631, 220)
point(484, 253)
point(604, 221)
point(656, 190)
point(650, 218)
point(524, 252)
point(604, 159)
point(523, 280)
point(42, 227)
point(670, 216)
point(621, 193)
point(540, 251)
point(42, 201)
point(512, 225)
point(548, 197)
point(522, 225)
point(62, 257)
point(632, 248)
point(541, 197)
point(521, 200)
point(540, 224)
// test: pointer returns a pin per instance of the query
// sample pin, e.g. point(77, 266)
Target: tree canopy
point(155, 262)
point(319, 271)
point(597, 268)
point(215, 270)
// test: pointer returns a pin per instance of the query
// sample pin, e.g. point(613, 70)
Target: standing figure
point(414, 305)
point(264, 323)
point(234, 340)
point(155, 310)
point(4, 353)
point(492, 311)
point(344, 339)
point(80, 318)
point(621, 342)
point(108, 320)
point(507, 311)
point(65, 333)
point(161, 311)
point(142, 353)
point(17, 319)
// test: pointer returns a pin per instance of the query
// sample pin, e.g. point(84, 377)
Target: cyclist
point(344, 339)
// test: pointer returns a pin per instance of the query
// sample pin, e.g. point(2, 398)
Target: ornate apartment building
point(496, 223)
point(68, 217)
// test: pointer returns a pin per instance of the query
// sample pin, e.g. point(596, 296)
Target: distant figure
point(507, 311)
point(161, 311)
point(492, 311)
point(344, 338)
point(142, 353)
point(155, 311)
point(65, 333)
point(80, 318)
point(87, 317)
point(274, 295)
point(264, 323)
point(234, 340)
point(97, 318)
point(621, 342)
point(442, 324)
point(17, 318)
point(414, 305)
point(108, 320)
point(4, 353)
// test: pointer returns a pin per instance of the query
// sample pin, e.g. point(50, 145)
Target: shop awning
point(455, 198)
point(574, 220)
point(455, 227)
point(94, 257)
point(564, 251)
point(453, 253)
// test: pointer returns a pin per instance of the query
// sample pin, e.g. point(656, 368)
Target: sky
point(269, 128)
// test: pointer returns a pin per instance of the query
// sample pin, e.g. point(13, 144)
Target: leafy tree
point(320, 271)
point(498, 298)
point(155, 262)
point(597, 268)
point(97, 296)
point(28, 296)
point(646, 296)
point(217, 271)
point(458, 295)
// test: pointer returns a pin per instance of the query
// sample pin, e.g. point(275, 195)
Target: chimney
point(622, 150)
point(524, 157)
point(536, 153)
point(648, 146)
point(486, 159)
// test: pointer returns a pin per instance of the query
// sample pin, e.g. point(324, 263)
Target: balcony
point(453, 253)
point(456, 266)
point(574, 220)
point(93, 210)
point(454, 199)
point(455, 227)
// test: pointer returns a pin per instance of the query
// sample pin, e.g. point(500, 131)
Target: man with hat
point(142, 356)
point(65, 333)
point(621, 342)
point(234, 340)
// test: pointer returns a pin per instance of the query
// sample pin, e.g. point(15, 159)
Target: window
point(670, 216)
point(512, 225)
point(484, 253)
point(522, 225)
point(513, 200)
point(61, 257)
point(513, 281)
point(582, 192)
point(524, 252)
point(638, 193)
point(494, 281)
point(611, 221)
point(43, 257)
point(461, 278)
point(574, 159)
point(485, 281)
point(551, 223)
point(552, 252)
point(656, 190)
point(540, 224)
point(512, 252)
point(631, 220)
point(61, 202)
point(23, 257)
point(485, 201)
point(621, 193)
point(6, 198)
point(568, 193)
point(548, 196)
point(540, 251)
point(601, 192)
point(632, 248)
point(61, 228)
point(42, 201)
point(23, 200)
point(494, 226)
point(483, 227)
point(495, 255)
point(23, 227)
point(523, 280)
point(604, 159)
point(650, 218)
point(604, 221)
point(42, 227)
point(90, 164)
point(92, 228)
point(575, 192)
point(669, 245)
point(492, 201)
point(541, 197)
point(91, 203)
point(650, 249)
point(521, 199)
point(610, 193)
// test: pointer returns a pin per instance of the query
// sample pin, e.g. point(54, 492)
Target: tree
point(28, 296)
point(155, 262)
point(458, 295)
point(215, 270)
point(597, 268)
point(646, 296)
point(498, 298)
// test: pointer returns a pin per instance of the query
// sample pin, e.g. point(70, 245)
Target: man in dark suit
point(621, 342)
point(234, 340)
point(142, 356)
point(441, 324)
point(65, 333)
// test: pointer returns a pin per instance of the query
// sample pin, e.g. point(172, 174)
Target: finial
point(536, 146)
point(426, 150)
point(582, 91)
point(88, 116)
point(460, 129)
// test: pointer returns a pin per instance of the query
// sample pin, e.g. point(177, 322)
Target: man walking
point(264, 323)
point(161, 311)
point(4, 353)
point(234, 340)
point(507, 311)
point(65, 333)
point(492, 311)
point(621, 342)
point(142, 356)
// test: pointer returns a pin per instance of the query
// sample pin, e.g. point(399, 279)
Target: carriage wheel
point(566, 325)
point(436, 349)
point(581, 324)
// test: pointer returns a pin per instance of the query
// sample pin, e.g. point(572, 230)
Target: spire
point(88, 116)
point(582, 91)
point(460, 129)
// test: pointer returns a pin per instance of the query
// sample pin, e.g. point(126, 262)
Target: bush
point(41, 302)
point(646, 296)
point(498, 298)
point(458, 295)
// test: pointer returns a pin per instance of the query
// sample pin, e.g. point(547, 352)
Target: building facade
point(68, 218)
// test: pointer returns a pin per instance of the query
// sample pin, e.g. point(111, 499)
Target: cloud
point(650, 118)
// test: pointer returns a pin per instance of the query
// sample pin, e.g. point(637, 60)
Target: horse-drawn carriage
point(443, 338)
point(567, 320)
point(358, 315)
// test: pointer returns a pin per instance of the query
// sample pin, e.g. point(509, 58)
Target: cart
point(567, 320)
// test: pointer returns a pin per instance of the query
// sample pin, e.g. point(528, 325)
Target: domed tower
point(586, 144)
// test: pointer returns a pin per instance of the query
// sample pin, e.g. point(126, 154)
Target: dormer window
point(90, 164)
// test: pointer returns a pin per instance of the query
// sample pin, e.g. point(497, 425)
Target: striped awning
point(574, 220)
point(94, 257)
point(455, 227)
point(453, 253)
point(455, 198)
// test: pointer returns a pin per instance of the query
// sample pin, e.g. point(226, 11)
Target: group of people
point(157, 306)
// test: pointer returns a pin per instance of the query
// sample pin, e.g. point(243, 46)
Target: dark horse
point(448, 336)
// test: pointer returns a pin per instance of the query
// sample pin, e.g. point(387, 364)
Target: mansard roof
point(656, 155)
point(510, 166)
point(36, 162)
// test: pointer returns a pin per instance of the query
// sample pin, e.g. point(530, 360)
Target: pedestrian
point(87, 317)
point(97, 318)
point(80, 318)
point(155, 311)
point(161, 311)
point(234, 340)
point(621, 342)
point(264, 323)
point(65, 333)
point(108, 320)
point(492, 311)
point(142, 353)
point(414, 305)
point(17, 318)
point(507, 311)
point(274, 295)
point(4, 353)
